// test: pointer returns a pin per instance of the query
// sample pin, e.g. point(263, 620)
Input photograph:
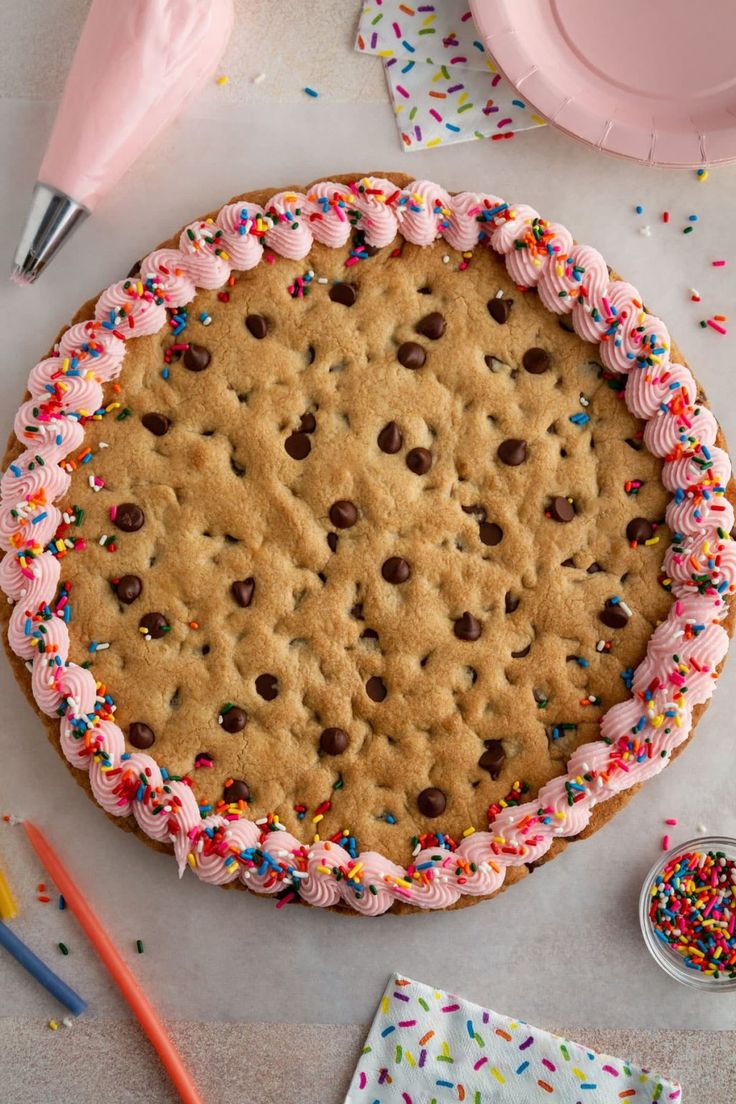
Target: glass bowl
point(670, 960)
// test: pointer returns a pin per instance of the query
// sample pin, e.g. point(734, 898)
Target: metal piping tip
point(52, 218)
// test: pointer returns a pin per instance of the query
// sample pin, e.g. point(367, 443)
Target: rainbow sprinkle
point(693, 910)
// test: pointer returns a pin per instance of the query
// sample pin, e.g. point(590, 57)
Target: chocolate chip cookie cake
point(366, 544)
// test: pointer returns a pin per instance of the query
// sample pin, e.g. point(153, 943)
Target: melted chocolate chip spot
point(419, 460)
point(432, 325)
point(267, 686)
point(141, 735)
point(613, 616)
point(298, 446)
point(395, 570)
point(565, 323)
point(332, 539)
point(490, 533)
point(411, 355)
point(375, 688)
point(593, 569)
point(157, 424)
point(500, 309)
point(333, 741)
point(639, 530)
point(236, 791)
point(154, 624)
point(369, 634)
point(511, 602)
point(129, 517)
point(512, 452)
point(493, 758)
point(431, 802)
point(257, 326)
point(467, 627)
point(390, 439)
point(343, 513)
point(535, 361)
point(308, 422)
point(356, 611)
point(128, 588)
point(242, 591)
point(523, 653)
point(233, 719)
point(344, 293)
point(561, 509)
point(196, 358)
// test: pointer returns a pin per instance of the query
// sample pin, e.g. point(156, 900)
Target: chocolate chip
point(154, 624)
point(298, 446)
point(332, 542)
point(511, 602)
point(356, 611)
point(639, 530)
point(129, 518)
point(369, 634)
point(256, 325)
point(490, 533)
point(613, 616)
point(343, 513)
point(593, 569)
point(467, 627)
point(196, 358)
point(561, 509)
point(308, 423)
point(411, 355)
point(157, 424)
point(569, 562)
point(333, 741)
point(236, 791)
point(390, 439)
point(432, 325)
point(493, 758)
point(140, 735)
point(512, 452)
point(128, 588)
point(500, 309)
point(431, 802)
point(343, 293)
point(395, 570)
point(419, 460)
point(375, 688)
point(267, 686)
point(523, 653)
point(565, 323)
point(475, 511)
point(242, 591)
point(536, 361)
point(233, 719)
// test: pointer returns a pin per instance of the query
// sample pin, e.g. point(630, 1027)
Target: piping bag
point(136, 65)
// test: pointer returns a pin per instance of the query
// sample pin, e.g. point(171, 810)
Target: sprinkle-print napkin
point(427, 1046)
point(443, 83)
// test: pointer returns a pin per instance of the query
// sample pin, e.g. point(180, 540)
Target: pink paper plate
point(654, 80)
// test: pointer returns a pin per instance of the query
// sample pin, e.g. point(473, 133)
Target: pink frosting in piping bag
point(137, 64)
point(134, 68)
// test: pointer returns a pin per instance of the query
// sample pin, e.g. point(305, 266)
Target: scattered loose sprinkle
point(639, 209)
point(63, 948)
point(702, 175)
point(259, 78)
point(646, 231)
point(224, 79)
point(665, 843)
point(672, 821)
point(139, 946)
point(718, 264)
point(665, 216)
point(311, 92)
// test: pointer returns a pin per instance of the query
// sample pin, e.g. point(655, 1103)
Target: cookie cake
point(366, 544)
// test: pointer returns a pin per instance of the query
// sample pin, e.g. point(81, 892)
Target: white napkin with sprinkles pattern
point(443, 83)
point(429, 1047)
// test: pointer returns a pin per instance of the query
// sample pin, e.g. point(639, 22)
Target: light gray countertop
point(561, 948)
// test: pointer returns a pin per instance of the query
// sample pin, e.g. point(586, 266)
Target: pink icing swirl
point(638, 735)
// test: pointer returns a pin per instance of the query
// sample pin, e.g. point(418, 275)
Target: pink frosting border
point(637, 735)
